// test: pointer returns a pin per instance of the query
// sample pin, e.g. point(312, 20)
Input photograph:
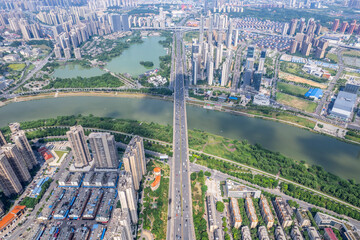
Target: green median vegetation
point(242, 152)
point(104, 81)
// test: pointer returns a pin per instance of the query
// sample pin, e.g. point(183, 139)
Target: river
point(333, 155)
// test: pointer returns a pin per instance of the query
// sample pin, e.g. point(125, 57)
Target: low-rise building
point(156, 183)
point(245, 233)
point(266, 212)
point(11, 218)
point(296, 234)
point(313, 234)
point(70, 179)
point(329, 234)
point(211, 212)
point(262, 233)
point(282, 212)
point(302, 217)
point(235, 213)
point(343, 105)
point(237, 190)
point(279, 233)
point(251, 213)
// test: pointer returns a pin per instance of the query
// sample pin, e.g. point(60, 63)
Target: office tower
point(352, 27)
point(302, 25)
point(17, 162)
point(293, 46)
point(262, 60)
point(293, 26)
point(285, 29)
point(194, 71)
point(2, 139)
point(127, 195)
point(104, 150)
point(257, 80)
point(229, 35)
point(9, 183)
point(25, 149)
point(236, 40)
point(134, 160)
point(335, 25)
point(305, 50)
point(247, 77)
point(343, 28)
point(250, 52)
point(210, 71)
point(224, 74)
point(79, 146)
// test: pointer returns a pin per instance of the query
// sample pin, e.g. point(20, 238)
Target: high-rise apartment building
point(335, 25)
point(344, 26)
point(134, 160)
point(250, 210)
point(104, 150)
point(266, 212)
point(235, 213)
point(127, 195)
point(25, 149)
point(9, 183)
point(306, 48)
point(79, 146)
point(293, 26)
point(17, 162)
point(2, 139)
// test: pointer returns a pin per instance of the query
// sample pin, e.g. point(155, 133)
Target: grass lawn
point(352, 73)
point(352, 53)
point(60, 153)
point(291, 89)
point(17, 66)
point(190, 35)
point(296, 102)
point(332, 57)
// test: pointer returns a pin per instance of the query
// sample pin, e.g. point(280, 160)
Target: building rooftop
point(314, 93)
point(8, 218)
point(251, 209)
point(235, 209)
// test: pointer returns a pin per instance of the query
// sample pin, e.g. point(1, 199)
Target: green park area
point(60, 153)
point(198, 190)
point(296, 102)
point(17, 66)
point(190, 35)
point(155, 208)
point(296, 69)
point(291, 89)
point(352, 53)
point(332, 57)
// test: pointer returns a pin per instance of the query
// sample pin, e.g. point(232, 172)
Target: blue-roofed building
point(314, 93)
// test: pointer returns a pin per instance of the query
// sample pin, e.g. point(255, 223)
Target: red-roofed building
point(11, 218)
point(329, 234)
point(157, 171)
point(156, 183)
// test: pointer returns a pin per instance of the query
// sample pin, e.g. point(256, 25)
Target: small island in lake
point(147, 64)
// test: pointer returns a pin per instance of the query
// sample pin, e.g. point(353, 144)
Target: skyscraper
point(229, 35)
point(224, 74)
point(127, 195)
point(285, 29)
point(9, 183)
point(257, 80)
point(262, 60)
point(2, 140)
point(134, 160)
point(25, 149)
point(210, 71)
point(194, 70)
point(79, 146)
point(17, 162)
point(104, 150)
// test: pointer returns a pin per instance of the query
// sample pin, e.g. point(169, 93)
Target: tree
point(220, 206)
point(208, 174)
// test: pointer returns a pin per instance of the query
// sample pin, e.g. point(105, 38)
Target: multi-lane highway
point(180, 221)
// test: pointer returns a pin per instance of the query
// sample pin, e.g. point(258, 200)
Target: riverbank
point(292, 120)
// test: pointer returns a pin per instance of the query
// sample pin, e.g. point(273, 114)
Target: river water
point(335, 156)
